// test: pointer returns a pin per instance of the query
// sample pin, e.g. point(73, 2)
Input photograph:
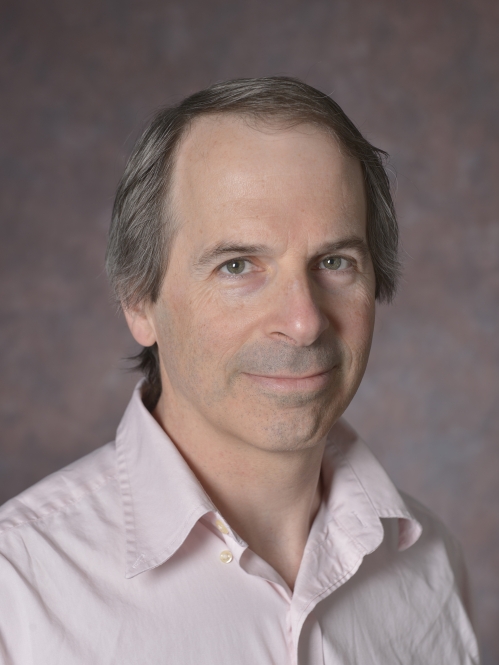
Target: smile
point(290, 384)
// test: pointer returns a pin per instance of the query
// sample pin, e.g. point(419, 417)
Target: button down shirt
point(122, 558)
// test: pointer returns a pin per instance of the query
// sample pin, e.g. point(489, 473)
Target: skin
point(264, 321)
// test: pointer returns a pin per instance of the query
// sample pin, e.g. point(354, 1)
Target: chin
point(292, 432)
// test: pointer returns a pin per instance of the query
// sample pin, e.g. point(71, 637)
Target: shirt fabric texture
point(122, 558)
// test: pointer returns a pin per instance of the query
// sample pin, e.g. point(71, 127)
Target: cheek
point(353, 320)
point(202, 331)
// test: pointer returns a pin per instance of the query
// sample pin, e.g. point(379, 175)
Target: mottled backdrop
point(78, 80)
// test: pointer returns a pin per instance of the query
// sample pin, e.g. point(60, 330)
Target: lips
point(306, 383)
point(277, 367)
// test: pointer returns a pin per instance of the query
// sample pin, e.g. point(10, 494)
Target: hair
point(143, 223)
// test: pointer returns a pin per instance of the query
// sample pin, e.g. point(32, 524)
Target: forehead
point(251, 175)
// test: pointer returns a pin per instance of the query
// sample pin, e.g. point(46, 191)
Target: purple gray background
point(421, 79)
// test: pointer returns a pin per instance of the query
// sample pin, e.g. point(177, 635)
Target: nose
point(295, 313)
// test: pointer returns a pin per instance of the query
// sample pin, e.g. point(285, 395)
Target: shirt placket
point(235, 549)
point(232, 549)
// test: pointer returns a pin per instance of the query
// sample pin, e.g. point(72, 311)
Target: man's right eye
point(235, 267)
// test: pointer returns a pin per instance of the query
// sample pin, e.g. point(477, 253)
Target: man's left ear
point(140, 324)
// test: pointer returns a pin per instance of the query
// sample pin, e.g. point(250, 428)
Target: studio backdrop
point(78, 80)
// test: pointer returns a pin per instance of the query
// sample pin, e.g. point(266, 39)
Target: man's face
point(265, 317)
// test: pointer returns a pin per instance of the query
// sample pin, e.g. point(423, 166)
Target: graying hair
point(143, 224)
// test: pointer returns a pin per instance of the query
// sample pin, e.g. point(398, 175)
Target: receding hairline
point(263, 122)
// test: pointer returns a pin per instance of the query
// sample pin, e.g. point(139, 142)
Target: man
point(237, 518)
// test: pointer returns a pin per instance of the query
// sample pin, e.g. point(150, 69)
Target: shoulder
point(60, 491)
point(58, 540)
point(438, 552)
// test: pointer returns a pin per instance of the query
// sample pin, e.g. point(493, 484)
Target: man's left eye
point(235, 267)
point(334, 263)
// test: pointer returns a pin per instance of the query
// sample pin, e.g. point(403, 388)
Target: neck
point(269, 498)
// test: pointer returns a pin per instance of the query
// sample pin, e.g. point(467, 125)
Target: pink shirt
point(122, 558)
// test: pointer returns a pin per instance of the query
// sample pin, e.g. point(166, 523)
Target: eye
point(334, 263)
point(235, 267)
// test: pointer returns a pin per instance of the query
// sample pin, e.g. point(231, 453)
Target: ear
point(140, 324)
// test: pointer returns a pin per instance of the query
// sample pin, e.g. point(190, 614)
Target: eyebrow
point(224, 249)
point(350, 242)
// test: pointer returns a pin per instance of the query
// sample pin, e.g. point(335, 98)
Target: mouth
point(291, 384)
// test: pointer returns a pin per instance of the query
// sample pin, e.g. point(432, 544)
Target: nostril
point(283, 336)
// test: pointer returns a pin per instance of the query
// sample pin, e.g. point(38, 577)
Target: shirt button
point(221, 527)
point(226, 556)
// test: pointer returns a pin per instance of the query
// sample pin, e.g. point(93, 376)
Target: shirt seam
point(61, 509)
point(128, 503)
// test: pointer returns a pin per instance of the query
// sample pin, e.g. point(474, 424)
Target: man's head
point(252, 231)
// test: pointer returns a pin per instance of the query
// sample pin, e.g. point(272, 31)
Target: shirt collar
point(163, 500)
point(359, 492)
